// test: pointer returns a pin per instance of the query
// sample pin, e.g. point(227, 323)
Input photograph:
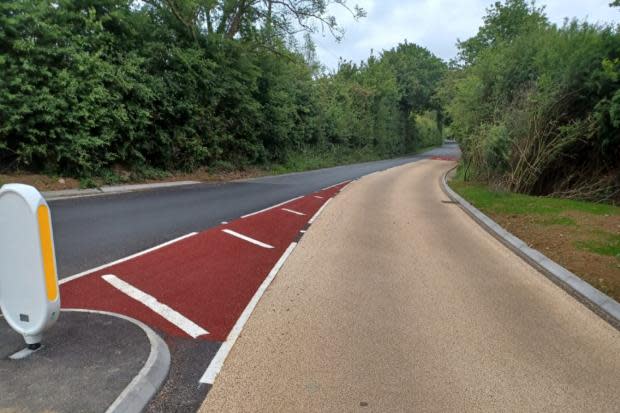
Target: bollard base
point(34, 346)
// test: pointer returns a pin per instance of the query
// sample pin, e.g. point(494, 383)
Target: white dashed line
point(246, 238)
point(293, 212)
point(318, 197)
point(151, 302)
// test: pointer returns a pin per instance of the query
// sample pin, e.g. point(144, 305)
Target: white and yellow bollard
point(29, 293)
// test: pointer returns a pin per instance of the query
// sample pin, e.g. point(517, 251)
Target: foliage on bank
point(536, 107)
point(89, 86)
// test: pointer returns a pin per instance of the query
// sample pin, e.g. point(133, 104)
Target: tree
point(231, 18)
point(418, 73)
point(502, 22)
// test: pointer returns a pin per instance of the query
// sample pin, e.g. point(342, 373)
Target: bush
point(90, 84)
point(536, 107)
point(428, 130)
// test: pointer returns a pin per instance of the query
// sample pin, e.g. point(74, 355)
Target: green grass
point(557, 220)
point(510, 203)
point(310, 159)
point(609, 245)
point(546, 211)
point(580, 226)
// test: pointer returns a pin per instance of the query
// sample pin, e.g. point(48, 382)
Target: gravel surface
point(397, 301)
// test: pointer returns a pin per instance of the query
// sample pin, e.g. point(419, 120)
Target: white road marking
point(176, 318)
point(246, 238)
point(339, 183)
point(273, 206)
point(293, 212)
point(318, 197)
point(224, 222)
point(218, 361)
point(303, 231)
point(319, 211)
point(165, 244)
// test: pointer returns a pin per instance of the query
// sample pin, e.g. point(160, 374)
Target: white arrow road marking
point(246, 238)
point(293, 212)
point(178, 319)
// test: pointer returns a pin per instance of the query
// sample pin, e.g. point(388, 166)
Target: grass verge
point(582, 236)
point(310, 160)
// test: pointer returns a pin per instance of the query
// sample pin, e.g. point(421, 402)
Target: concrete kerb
point(600, 303)
point(148, 381)
point(110, 190)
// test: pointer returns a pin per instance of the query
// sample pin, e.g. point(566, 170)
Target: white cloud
point(434, 24)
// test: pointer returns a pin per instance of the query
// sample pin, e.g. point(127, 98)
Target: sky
point(434, 24)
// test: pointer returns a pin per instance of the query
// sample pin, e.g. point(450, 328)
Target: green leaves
point(535, 106)
point(91, 85)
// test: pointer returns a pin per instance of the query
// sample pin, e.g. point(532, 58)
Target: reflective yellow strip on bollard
point(47, 249)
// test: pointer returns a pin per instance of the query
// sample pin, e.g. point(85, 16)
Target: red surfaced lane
point(209, 278)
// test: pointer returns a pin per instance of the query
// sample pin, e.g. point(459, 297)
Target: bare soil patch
point(561, 242)
point(51, 183)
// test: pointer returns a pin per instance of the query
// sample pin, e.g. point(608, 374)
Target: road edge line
point(217, 362)
point(339, 183)
point(121, 260)
point(316, 215)
point(601, 304)
point(145, 385)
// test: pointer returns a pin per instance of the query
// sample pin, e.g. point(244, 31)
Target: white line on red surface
point(318, 197)
point(176, 318)
point(92, 270)
point(293, 212)
point(272, 207)
point(246, 238)
point(339, 183)
point(216, 364)
point(319, 211)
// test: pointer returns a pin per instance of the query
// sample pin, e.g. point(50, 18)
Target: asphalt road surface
point(93, 231)
point(395, 300)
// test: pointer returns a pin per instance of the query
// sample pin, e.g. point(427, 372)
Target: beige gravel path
point(397, 302)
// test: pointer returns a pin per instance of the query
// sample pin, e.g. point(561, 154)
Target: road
point(93, 231)
point(395, 300)
point(198, 288)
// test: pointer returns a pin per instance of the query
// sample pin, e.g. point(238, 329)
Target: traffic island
point(88, 362)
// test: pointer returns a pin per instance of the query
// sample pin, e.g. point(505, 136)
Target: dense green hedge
point(88, 85)
point(536, 107)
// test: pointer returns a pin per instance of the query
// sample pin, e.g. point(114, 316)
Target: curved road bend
point(93, 231)
point(396, 301)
